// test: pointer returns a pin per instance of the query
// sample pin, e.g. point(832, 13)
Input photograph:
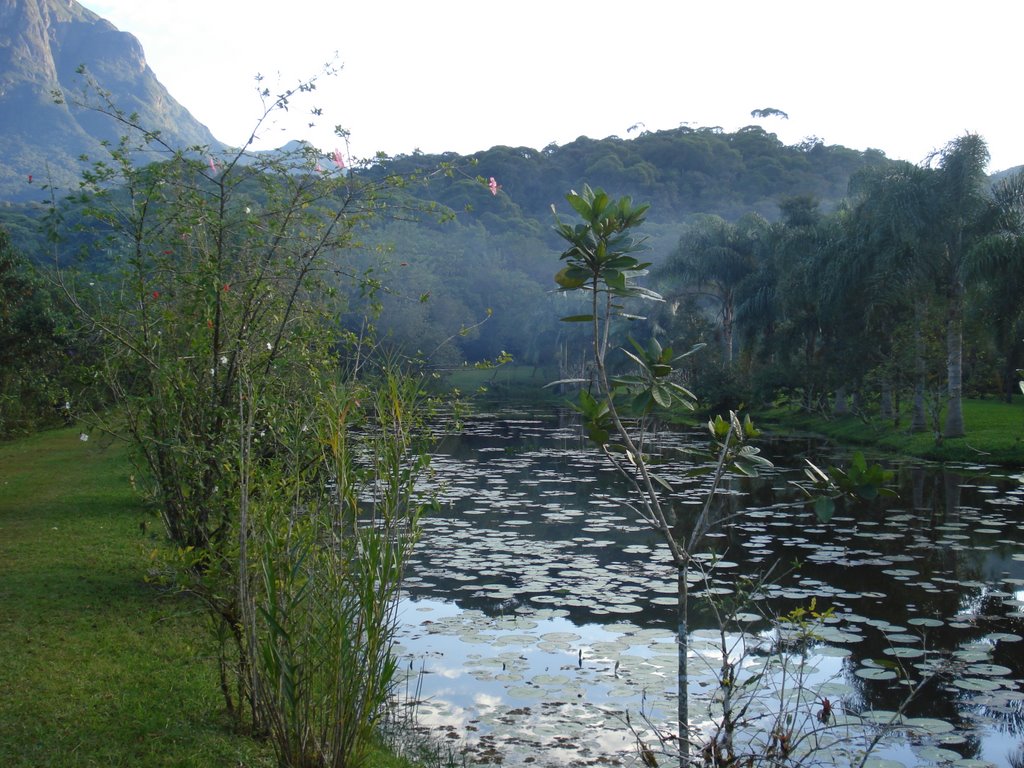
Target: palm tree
point(891, 206)
point(780, 304)
point(960, 203)
point(923, 221)
point(997, 263)
point(713, 259)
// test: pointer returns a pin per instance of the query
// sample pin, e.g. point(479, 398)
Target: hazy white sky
point(903, 76)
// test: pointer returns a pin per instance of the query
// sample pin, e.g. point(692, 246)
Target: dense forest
point(818, 273)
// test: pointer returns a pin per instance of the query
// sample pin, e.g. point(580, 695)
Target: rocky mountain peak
point(43, 45)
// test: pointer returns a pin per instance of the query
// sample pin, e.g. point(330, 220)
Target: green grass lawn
point(97, 667)
point(995, 433)
point(508, 383)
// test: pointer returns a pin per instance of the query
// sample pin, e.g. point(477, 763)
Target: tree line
point(905, 293)
point(807, 265)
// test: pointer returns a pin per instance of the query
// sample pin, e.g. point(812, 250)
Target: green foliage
point(731, 440)
point(283, 475)
point(599, 254)
point(860, 482)
point(329, 545)
point(599, 262)
point(37, 372)
point(650, 387)
point(218, 283)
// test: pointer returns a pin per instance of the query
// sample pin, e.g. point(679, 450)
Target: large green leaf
point(662, 396)
point(824, 508)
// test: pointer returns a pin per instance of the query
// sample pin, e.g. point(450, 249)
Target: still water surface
point(539, 617)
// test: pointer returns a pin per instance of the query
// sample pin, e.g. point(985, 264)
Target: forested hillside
point(679, 172)
point(834, 278)
point(484, 261)
point(478, 281)
point(785, 260)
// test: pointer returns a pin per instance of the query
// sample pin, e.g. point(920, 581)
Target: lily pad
point(928, 725)
point(976, 684)
point(875, 673)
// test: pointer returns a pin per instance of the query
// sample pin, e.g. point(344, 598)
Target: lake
point(538, 623)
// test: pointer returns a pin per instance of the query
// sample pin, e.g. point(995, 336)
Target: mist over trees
point(832, 278)
point(828, 276)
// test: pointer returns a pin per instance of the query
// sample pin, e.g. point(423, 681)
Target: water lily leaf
point(872, 673)
point(929, 725)
point(976, 684)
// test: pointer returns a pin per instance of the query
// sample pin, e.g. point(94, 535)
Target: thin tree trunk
point(918, 420)
point(727, 332)
point(841, 407)
point(886, 406)
point(954, 364)
point(683, 645)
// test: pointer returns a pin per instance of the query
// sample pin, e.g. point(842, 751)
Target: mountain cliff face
point(43, 43)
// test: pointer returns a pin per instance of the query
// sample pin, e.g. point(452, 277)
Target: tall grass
point(323, 548)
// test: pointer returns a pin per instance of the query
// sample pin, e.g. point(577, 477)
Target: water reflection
point(534, 529)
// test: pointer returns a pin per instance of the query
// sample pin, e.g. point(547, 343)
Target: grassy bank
point(995, 429)
point(506, 383)
point(995, 433)
point(97, 668)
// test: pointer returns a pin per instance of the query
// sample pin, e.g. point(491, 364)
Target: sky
point(902, 76)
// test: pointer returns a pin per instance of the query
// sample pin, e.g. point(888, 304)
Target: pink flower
point(213, 164)
point(338, 159)
point(494, 186)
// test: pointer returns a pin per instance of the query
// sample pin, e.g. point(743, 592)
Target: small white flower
point(211, 371)
point(83, 437)
point(223, 359)
point(269, 345)
point(67, 405)
point(248, 209)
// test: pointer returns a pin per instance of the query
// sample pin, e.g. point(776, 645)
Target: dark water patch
point(536, 559)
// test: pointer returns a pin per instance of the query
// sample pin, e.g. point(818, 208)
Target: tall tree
point(959, 204)
point(924, 221)
point(890, 211)
point(997, 264)
point(779, 306)
point(713, 259)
